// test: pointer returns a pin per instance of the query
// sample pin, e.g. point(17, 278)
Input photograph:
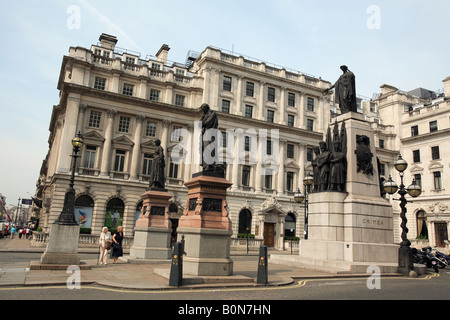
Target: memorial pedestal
point(351, 231)
point(206, 228)
point(62, 247)
point(152, 238)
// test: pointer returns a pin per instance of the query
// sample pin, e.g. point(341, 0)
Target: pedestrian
point(24, 233)
point(28, 233)
point(13, 230)
point(105, 245)
point(20, 233)
point(117, 244)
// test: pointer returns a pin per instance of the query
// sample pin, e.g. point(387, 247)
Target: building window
point(416, 155)
point(309, 154)
point(248, 111)
point(268, 179)
point(225, 106)
point(382, 169)
point(124, 124)
point(422, 230)
point(147, 164)
point(154, 95)
point(291, 120)
point(435, 154)
point(176, 134)
point(310, 104)
point(437, 180)
point(128, 89)
point(290, 151)
point(179, 100)
point(250, 89)
point(89, 159)
point(270, 115)
point(414, 131)
point(224, 139)
point(269, 147)
point(309, 124)
point(289, 181)
point(119, 161)
point(227, 83)
point(418, 179)
point(433, 126)
point(289, 225)
point(271, 94)
point(94, 119)
point(381, 143)
point(291, 99)
point(173, 170)
point(247, 143)
point(246, 176)
point(100, 83)
point(245, 221)
point(150, 130)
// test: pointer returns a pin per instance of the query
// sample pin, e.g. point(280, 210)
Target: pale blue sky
point(408, 48)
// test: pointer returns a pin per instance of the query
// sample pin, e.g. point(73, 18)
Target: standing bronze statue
point(345, 93)
point(323, 166)
point(210, 161)
point(157, 177)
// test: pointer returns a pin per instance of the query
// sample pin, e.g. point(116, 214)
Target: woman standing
point(104, 244)
point(117, 244)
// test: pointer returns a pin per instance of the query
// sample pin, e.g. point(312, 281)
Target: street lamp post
point(67, 216)
point(405, 255)
point(299, 198)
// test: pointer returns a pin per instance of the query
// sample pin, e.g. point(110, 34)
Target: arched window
point(114, 214)
point(245, 221)
point(289, 225)
point(84, 208)
point(422, 230)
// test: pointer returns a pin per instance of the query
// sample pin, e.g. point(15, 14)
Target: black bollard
point(262, 266)
point(176, 270)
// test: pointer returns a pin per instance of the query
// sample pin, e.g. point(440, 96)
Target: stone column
point(107, 146)
point(136, 156)
point(282, 120)
point(280, 181)
point(261, 104)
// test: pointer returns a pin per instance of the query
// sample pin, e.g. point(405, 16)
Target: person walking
point(117, 244)
point(104, 244)
point(13, 231)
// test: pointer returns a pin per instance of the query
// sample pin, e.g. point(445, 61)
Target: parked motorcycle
point(442, 259)
point(425, 257)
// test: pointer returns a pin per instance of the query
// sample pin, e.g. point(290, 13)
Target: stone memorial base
point(153, 232)
point(62, 247)
point(206, 228)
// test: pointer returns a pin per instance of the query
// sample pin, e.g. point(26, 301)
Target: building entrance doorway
point(441, 233)
point(269, 234)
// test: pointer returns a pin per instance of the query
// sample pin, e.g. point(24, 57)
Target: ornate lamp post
point(67, 216)
point(405, 256)
point(299, 198)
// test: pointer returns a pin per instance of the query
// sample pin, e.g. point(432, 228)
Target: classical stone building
point(121, 103)
point(270, 119)
point(417, 124)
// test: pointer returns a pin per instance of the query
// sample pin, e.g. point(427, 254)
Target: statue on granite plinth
point(345, 93)
point(157, 177)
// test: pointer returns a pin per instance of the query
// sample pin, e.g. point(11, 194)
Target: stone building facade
point(121, 103)
point(270, 119)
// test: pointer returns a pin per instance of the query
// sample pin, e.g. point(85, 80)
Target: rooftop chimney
point(446, 82)
point(163, 53)
point(108, 41)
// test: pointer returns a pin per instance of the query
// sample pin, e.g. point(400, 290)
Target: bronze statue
point(157, 177)
point(316, 171)
point(323, 166)
point(345, 93)
point(210, 162)
point(338, 172)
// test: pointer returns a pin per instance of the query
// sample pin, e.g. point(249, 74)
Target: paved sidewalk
point(151, 276)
